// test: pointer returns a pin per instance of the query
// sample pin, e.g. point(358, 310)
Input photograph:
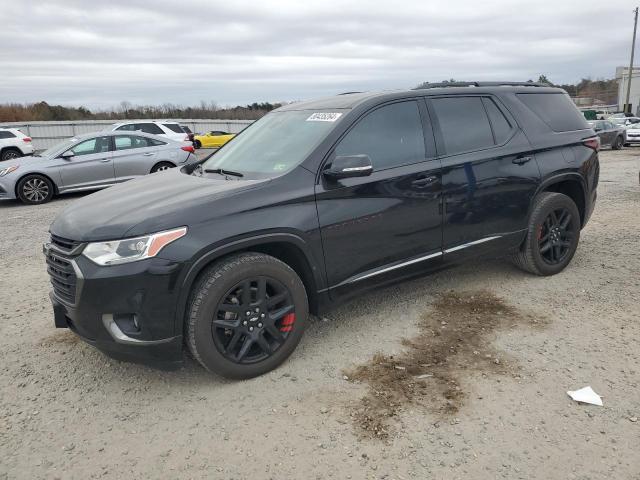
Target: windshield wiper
point(224, 172)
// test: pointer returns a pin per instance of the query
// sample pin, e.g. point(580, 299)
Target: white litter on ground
point(586, 395)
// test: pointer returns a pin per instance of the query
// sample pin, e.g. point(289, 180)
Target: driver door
point(90, 166)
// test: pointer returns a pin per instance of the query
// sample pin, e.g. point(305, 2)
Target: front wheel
point(617, 144)
point(246, 315)
point(552, 236)
point(35, 189)
point(197, 144)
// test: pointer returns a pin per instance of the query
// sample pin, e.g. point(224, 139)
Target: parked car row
point(90, 162)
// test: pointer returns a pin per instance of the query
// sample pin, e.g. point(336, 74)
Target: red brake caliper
point(287, 322)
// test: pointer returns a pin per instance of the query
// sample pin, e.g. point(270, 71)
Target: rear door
point(489, 174)
point(377, 226)
point(90, 167)
point(134, 156)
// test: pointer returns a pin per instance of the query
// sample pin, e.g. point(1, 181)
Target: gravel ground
point(67, 411)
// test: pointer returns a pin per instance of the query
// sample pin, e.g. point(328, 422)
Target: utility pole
point(627, 107)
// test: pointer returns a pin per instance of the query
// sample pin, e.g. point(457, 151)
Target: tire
point(217, 327)
point(35, 189)
point(197, 144)
point(617, 143)
point(544, 241)
point(161, 166)
point(10, 154)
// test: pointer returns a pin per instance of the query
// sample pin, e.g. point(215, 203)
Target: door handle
point(103, 160)
point(424, 181)
point(521, 160)
point(148, 154)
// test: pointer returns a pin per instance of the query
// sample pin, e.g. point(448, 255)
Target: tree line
point(42, 111)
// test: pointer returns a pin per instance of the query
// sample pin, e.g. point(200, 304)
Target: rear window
point(174, 127)
point(6, 134)
point(464, 124)
point(556, 110)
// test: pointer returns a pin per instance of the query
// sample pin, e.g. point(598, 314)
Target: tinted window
point(93, 145)
point(6, 134)
point(391, 136)
point(186, 129)
point(217, 133)
point(174, 127)
point(149, 128)
point(129, 127)
point(556, 110)
point(464, 124)
point(499, 123)
point(126, 142)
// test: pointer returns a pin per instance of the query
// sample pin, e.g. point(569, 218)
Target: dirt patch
point(61, 338)
point(455, 336)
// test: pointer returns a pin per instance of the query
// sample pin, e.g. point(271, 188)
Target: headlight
point(8, 170)
point(131, 249)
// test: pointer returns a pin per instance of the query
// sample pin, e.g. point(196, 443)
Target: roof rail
point(482, 84)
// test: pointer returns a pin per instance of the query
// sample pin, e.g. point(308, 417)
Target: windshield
point(57, 147)
point(274, 144)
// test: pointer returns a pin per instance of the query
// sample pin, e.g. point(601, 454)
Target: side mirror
point(67, 155)
point(350, 166)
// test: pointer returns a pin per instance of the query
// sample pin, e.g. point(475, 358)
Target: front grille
point(61, 272)
point(64, 243)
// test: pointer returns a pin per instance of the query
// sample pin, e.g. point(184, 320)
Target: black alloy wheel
point(552, 237)
point(10, 154)
point(253, 320)
point(246, 315)
point(555, 236)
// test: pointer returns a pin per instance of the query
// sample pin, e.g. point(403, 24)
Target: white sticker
point(324, 117)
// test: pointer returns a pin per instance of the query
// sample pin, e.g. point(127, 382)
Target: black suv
point(313, 203)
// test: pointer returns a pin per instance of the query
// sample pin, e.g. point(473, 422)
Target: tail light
point(593, 143)
point(189, 149)
point(26, 139)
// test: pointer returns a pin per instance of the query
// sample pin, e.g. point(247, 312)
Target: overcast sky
point(98, 54)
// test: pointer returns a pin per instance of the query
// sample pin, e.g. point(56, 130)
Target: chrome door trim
point(470, 244)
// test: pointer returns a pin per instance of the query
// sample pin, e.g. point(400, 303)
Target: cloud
point(98, 54)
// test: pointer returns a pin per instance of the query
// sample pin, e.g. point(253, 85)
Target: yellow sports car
point(214, 139)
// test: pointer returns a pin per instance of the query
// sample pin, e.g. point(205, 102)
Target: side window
point(127, 142)
point(150, 128)
point(130, 127)
point(501, 126)
point(174, 127)
point(464, 124)
point(93, 145)
point(390, 135)
point(6, 134)
point(556, 110)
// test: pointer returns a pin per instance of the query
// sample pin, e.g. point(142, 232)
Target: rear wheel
point(197, 144)
point(552, 236)
point(617, 143)
point(246, 315)
point(35, 189)
point(10, 154)
point(159, 167)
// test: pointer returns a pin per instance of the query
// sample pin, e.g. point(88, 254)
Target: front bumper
point(127, 311)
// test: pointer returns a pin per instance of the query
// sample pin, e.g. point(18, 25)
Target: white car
point(14, 144)
point(633, 134)
point(170, 130)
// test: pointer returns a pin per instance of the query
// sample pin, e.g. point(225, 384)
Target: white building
point(622, 76)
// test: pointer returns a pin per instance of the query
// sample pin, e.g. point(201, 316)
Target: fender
point(560, 177)
point(240, 244)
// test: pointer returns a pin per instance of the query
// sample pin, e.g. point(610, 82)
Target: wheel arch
point(161, 162)
point(288, 248)
point(572, 185)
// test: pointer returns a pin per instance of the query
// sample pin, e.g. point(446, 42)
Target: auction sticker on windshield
point(324, 117)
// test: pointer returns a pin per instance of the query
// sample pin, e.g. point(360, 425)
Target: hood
point(150, 204)
point(30, 161)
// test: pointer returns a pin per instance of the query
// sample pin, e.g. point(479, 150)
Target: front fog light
point(131, 249)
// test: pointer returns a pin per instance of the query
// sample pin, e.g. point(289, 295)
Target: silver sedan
point(90, 162)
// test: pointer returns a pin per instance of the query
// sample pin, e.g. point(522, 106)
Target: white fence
point(47, 134)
